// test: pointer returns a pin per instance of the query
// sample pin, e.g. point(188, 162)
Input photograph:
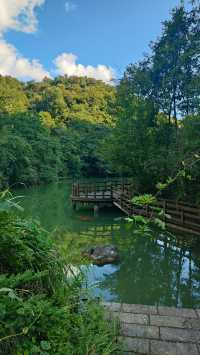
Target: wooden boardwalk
point(155, 330)
point(178, 215)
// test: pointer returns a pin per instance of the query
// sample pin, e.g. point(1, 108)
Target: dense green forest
point(146, 127)
point(53, 129)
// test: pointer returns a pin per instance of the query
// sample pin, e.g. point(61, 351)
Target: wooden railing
point(179, 215)
point(176, 214)
point(102, 190)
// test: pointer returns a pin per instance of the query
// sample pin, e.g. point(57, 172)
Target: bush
point(41, 311)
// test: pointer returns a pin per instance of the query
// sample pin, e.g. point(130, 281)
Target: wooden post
point(104, 190)
point(95, 192)
point(164, 209)
point(182, 217)
point(96, 210)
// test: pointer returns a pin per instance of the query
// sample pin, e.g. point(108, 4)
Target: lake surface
point(154, 269)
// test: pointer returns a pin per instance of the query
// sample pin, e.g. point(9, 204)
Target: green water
point(155, 269)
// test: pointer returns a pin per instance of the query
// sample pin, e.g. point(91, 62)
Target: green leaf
point(144, 200)
point(11, 293)
point(128, 219)
point(45, 345)
point(161, 186)
point(168, 216)
point(159, 223)
point(25, 330)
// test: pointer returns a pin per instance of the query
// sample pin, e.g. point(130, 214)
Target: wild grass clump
point(40, 310)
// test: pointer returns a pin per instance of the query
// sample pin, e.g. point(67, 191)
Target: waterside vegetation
point(146, 127)
point(42, 307)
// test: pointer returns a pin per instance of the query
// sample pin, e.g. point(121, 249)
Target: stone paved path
point(156, 330)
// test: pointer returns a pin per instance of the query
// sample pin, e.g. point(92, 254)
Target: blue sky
point(112, 33)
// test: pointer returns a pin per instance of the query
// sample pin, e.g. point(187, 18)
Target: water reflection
point(153, 269)
point(96, 277)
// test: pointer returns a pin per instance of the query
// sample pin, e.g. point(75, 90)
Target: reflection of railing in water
point(100, 230)
point(164, 241)
point(178, 215)
point(170, 267)
point(104, 231)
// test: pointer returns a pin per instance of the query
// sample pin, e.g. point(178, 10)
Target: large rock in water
point(101, 255)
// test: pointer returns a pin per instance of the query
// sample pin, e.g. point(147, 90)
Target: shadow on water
point(158, 269)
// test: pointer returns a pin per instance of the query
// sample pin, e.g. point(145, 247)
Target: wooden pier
point(178, 215)
point(98, 192)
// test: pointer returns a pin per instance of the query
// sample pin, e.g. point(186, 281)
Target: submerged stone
point(101, 255)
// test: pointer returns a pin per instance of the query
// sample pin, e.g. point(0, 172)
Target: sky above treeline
point(94, 38)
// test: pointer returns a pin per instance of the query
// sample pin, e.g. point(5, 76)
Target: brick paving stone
point(198, 312)
point(131, 318)
point(177, 312)
point(140, 331)
point(184, 335)
point(177, 322)
point(139, 308)
point(112, 306)
point(139, 346)
point(163, 330)
point(168, 348)
point(192, 323)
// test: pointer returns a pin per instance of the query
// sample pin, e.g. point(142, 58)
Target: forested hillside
point(147, 127)
point(52, 129)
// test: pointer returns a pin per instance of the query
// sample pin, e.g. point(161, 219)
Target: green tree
point(12, 95)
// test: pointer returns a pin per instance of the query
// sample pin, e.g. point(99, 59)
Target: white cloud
point(19, 15)
point(14, 64)
point(70, 6)
point(66, 64)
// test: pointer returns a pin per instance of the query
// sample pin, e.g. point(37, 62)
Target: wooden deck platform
point(178, 215)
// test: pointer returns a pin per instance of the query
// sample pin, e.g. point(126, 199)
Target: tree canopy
point(53, 129)
point(145, 127)
point(158, 109)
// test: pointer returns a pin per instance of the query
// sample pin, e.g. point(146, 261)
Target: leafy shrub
point(41, 311)
point(144, 200)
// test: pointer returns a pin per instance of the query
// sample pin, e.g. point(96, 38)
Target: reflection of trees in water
point(153, 270)
point(49, 203)
point(162, 270)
